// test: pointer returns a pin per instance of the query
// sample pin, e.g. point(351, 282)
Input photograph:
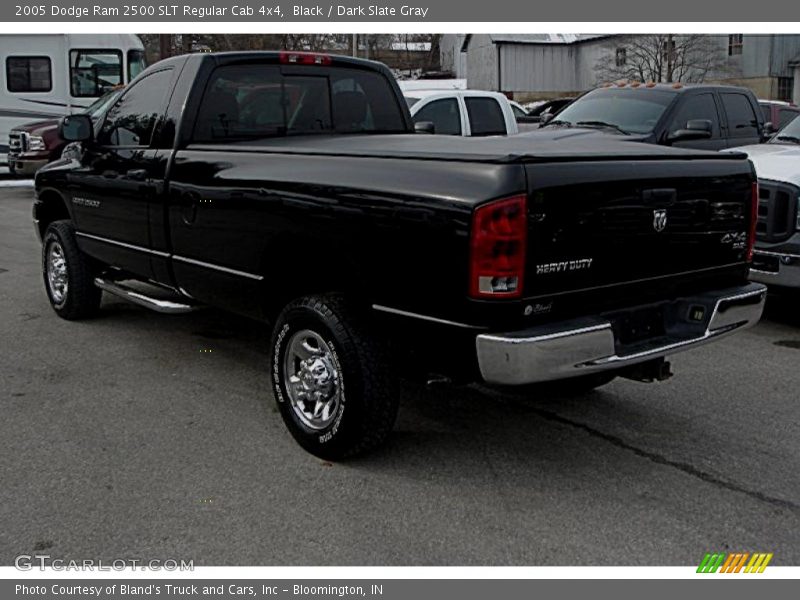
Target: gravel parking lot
point(139, 435)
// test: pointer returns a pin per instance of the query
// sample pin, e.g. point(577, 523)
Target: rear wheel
point(329, 379)
point(68, 274)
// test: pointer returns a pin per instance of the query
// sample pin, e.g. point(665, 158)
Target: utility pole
point(164, 46)
point(670, 57)
point(355, 44)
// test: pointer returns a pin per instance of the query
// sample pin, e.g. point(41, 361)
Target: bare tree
point(661, 58)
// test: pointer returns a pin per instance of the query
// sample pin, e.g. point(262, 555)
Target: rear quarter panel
point(394, 230)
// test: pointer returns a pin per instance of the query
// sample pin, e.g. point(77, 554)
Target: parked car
point(780, 114)
point(704, 117)
point(374, 251)
point(48, 76)
point(462, 112)
point(776, 260)
point(548, 107)
point(520, 114)
point(39, 143)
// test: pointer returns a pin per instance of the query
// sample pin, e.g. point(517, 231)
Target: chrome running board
point(135, 296)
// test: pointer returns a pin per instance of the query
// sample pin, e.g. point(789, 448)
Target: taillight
point(751, 235)
point(304, 58)
point(497, 249)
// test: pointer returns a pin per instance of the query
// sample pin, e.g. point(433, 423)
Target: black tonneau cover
point(541, 146)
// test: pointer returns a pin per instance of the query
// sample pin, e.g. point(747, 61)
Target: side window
point(485, 116)
point(444, 114)
point(130, 122)
point(766, 109)
point(742, 120)
point(94, 72)
point(28, 74)
point(701, 106)
point(518, 112)
point(786, 116)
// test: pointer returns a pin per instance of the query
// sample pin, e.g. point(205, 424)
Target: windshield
point(632, 110)
point(789, 134)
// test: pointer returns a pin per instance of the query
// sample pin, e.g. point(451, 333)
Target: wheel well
point(52, 207)
point(340, 273)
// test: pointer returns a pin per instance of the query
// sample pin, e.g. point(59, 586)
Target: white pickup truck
point(462, 112)
point(776, 259)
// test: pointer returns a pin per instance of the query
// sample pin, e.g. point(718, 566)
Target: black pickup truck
point(292, 188)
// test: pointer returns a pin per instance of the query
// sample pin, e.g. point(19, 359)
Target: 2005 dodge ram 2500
point(292, 188)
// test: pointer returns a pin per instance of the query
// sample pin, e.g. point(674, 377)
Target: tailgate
point(607, 223)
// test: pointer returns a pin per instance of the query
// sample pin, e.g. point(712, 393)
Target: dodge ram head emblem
point(660, 219)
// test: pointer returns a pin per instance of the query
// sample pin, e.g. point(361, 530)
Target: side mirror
point(545, 118)
point(696, 129)
point(76, 128)
point(424, 127)
point(769, 130)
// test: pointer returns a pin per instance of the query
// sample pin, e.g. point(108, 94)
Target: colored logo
point(734, 562)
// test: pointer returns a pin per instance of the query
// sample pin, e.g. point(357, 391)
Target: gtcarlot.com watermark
point(29, 562)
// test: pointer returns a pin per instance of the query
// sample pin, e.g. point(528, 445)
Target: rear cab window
point(485, 116)
point(255, 101)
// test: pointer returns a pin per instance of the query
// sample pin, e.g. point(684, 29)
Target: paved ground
point(120, 439)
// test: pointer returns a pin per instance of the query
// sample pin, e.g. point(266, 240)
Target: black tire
point(365, 407)
point(80, 298)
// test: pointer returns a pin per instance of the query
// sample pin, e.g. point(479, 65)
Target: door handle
point(189, 202)
point(137, 174)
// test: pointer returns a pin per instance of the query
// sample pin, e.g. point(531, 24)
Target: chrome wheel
point(57, 276)
point(313, 380)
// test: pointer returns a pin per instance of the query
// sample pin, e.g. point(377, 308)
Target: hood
point(38, 127)
point(582, 133)
point(778, 162)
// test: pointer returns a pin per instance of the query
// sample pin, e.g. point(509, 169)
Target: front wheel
point(68, 274)
point(329, 379)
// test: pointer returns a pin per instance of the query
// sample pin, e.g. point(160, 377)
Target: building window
point(622, 57)
point(735, 43)
point(28, 74)
point(785, 88)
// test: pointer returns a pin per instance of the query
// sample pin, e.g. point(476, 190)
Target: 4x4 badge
point(660, 219)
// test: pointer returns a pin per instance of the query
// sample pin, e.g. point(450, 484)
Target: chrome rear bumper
point(785, 271)
point(592, 344)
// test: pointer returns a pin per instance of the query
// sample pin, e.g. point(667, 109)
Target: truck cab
point(462, 112)
point(701, 117)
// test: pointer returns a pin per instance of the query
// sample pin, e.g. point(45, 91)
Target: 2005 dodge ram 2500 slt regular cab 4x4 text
point(292, 188)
